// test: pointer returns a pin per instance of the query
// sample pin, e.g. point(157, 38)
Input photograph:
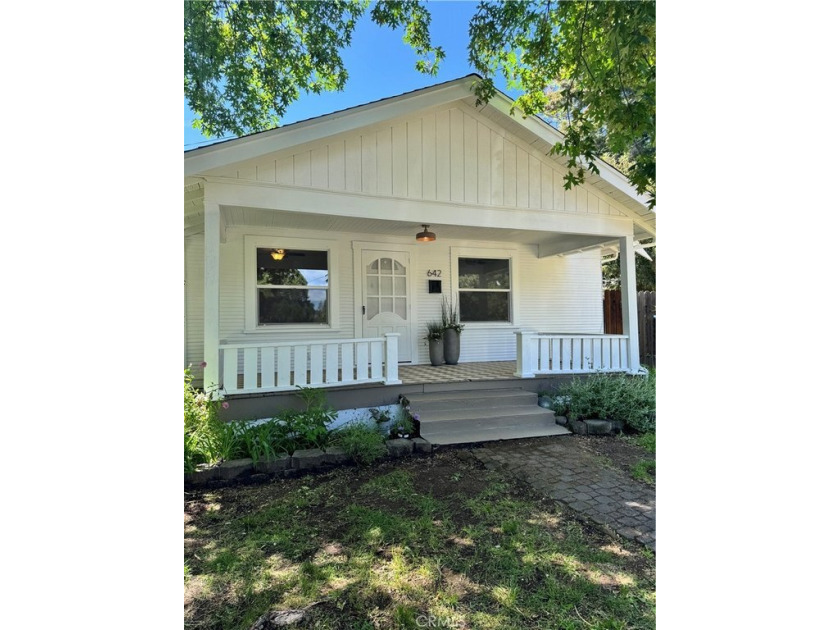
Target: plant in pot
point(434, 335)
point(452, 332)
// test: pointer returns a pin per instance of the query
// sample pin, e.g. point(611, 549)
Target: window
point(484, 289)
point(292, 286)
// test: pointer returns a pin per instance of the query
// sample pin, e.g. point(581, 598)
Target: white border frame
point(251, 243)
point(409, 249)
point(512, 255)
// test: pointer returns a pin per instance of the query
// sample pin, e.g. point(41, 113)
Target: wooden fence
point(646, 304)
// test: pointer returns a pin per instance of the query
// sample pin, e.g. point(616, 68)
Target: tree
point(589, 65)
point(246, 62)
point(645, 272)
point(592, 65)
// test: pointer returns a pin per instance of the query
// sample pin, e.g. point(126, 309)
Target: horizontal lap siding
point(194, 302)
point(555, 294)
point(451, 155)
point(562, 294)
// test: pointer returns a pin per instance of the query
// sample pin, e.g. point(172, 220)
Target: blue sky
point(381, 65)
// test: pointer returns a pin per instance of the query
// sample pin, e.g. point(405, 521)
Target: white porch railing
point(549, 353)
point(277, 367)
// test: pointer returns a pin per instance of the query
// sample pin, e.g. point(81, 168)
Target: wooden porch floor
point(463, 372)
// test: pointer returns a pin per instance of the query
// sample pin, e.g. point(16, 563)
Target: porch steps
point(462, 417)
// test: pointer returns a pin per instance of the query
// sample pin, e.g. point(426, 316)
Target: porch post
point(392, 375)
point(629, 310)
point(212, 223)
point(523, 355)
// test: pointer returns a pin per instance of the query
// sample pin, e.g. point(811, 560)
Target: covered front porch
point(553, 278)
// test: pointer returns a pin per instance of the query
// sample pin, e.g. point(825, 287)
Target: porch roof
point(548, 242)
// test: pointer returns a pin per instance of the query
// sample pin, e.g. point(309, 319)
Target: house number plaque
point(433, 273)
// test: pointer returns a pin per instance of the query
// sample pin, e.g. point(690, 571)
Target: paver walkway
point(562, 469)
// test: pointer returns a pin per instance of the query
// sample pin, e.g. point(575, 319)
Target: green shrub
point(611, 397)
point(261, 440)
point(200, 424)
point(645, 470)
point(295, 430)
point(361, 442)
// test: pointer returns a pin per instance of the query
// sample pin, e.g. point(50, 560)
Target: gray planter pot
point(451, 346)
point(436, 351)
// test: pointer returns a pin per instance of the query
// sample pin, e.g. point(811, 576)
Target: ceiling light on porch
point(278, 254)
point(425, 236)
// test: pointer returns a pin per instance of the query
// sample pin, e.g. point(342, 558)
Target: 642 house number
point(433, 273)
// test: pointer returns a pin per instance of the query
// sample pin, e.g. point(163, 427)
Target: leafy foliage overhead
point(590, 64)
point(246, 62)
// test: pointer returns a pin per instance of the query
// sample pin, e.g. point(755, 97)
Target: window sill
point(290, 328)
point(488, 325)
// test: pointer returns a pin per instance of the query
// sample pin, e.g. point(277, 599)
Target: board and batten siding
point(554, 294)
point(450, 154)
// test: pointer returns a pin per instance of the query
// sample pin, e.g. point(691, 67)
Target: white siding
point(554, 294)
point(194, 303)
point(451, 154)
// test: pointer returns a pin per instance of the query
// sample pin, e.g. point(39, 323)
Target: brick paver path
point(562, 469)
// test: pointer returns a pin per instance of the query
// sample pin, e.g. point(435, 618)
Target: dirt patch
point(620, 453)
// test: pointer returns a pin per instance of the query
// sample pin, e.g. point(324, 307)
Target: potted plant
point(452, 332)
point(434, 335)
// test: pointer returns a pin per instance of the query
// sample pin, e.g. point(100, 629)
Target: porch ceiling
point(255, 217)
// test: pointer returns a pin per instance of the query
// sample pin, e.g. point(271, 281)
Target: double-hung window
point(484, 289)
point(292, 286)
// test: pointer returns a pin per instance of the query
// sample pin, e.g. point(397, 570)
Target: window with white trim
point(484, 293)
point(292, 286)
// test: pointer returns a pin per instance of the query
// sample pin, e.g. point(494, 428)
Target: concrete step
point(424, 404)
point(477, 411)
point(482, 415)
point(467, 435)
point(489, 423)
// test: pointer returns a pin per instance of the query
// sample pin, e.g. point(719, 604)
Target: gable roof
point(537, 132)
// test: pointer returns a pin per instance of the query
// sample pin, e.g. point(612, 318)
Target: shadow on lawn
point(400, 544)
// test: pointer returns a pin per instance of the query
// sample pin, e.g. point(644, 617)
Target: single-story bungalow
point(317, 252)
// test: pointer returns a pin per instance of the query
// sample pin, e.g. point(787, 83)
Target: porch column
point(629, 310)
point(212, 224)
point(524, 358)
point(392, 375)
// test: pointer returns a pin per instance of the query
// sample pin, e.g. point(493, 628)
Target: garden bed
point(301, 462)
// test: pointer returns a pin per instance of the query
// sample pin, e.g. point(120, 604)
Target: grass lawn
point(408, 544)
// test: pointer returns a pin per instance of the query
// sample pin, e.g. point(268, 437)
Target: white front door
point(386, 297)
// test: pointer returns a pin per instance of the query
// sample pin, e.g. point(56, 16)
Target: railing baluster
point(316, 364)
point(231, 370)
point(249, 366)
point(361, 360)
point(300, 365)
point(267, 368)
point(284, 366)
point(347, 362)
point(332, 363)
point(376, 360)
point(555, 355)
point(543, 362)
point(597, 349)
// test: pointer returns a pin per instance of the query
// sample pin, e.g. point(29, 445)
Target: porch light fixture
point(425, 236)
point(278, 254)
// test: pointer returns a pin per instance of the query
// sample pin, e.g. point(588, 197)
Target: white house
point(302, 264)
